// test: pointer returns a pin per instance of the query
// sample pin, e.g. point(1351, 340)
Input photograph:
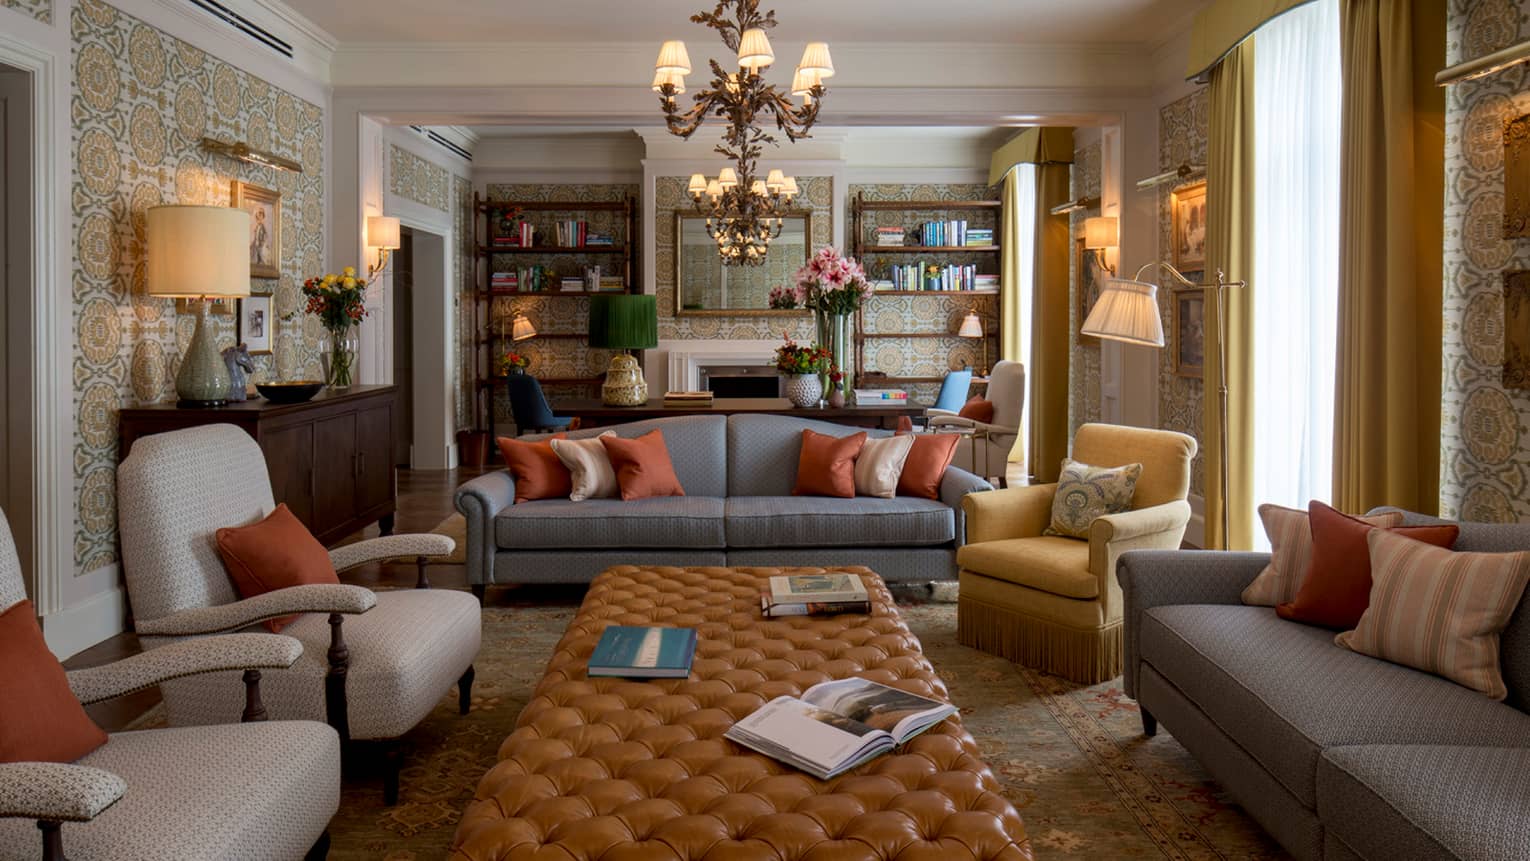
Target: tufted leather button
point(619, 770)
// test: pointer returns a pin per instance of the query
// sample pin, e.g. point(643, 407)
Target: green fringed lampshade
point(624, 322)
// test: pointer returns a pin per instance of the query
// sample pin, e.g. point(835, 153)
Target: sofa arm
point(480, 500)
point(57, 791)
point(1159, 578)
point(955, 484)
point(1014, 512)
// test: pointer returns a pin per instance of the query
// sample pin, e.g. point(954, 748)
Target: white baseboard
point(79, 626)
point(1195, 532)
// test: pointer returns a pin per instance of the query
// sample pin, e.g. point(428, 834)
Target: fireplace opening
point(741, 381)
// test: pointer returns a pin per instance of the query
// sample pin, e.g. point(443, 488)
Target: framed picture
point(265, 209)
point(256, 324)
point(1189, 208)
point(1516, 177)
point(1091, 280)
point(1189, 332)
point(1516, 329)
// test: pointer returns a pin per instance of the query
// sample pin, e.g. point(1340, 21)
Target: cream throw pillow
point(1086, 492)
point(589, 467)
point(1439, 611)
point(880, 463)
point(1290, 533)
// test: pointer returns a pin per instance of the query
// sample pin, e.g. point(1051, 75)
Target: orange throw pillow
point(978, 409)
point(642, 466)
point(273, 554)
point(827, 464)
point(40, 718)
point(537, 471)
point(1337, 588)
point(926, 464)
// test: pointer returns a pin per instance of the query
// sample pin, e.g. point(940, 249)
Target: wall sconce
point(1076, 205)
point(244, 152)
point(1183, 172)
point(1102, 232)
point(382, 234)
point(1484, 65)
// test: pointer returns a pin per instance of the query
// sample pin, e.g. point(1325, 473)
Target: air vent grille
point(440, 141)
point(245, 26)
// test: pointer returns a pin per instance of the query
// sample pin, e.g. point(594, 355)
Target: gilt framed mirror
point(704, 286)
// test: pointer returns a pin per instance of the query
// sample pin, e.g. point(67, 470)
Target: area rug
point(455, 528)
point(1071, 758)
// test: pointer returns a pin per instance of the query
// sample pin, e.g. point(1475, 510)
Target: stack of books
point(511, 240)
point(687, 399)
point(814, 595)
point(504, 281)
point(571, 284)
point(985, 282)
point(612, 284)
point(979, 236)
point(593, 239)
point(643, 653)
point(952, 276)
point(888, 237)
point(880, 396)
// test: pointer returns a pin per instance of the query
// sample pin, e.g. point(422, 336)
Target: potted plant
point(801, 366)
point(513, 363)
point(339, 301)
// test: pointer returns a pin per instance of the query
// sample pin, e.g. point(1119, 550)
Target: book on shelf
point(944, 234)
point(985, 282)
point(917, 276)
point(592, 238)
point(835, 726)
point(569, 284)
point(828, 586)
point(570, 232)
point(889, 236)
point(979, 236)
point(880, 396)
point(631, 652)
point(883, 284)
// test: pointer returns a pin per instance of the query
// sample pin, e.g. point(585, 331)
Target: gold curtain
point(1221, 25)
point(1051, 338)
point(1230, 248)
point(1387, 391)
point(1010, 269)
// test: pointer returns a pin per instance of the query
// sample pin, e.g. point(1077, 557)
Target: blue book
point(644, 653)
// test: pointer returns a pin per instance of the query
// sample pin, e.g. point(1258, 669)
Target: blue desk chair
point(953, 394)
point(529, 408)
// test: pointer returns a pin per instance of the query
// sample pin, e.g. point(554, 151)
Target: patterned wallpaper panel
point(418, 179)
point(142, 100)
point(42, 10)
point(1181, 139)
point(1084, 368)
point(1484, 456)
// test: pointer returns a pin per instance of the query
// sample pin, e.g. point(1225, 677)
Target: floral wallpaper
point(1084, 367)
point(1181, 140)
point(42, 10)
point(142, 100)
point(418, 179)
point(1484, 458)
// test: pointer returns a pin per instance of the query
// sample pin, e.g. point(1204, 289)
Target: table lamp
point(972, 327)
point(199, 252)
point(624, 322)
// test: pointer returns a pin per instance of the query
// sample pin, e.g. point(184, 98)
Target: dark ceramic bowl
point(289, 391)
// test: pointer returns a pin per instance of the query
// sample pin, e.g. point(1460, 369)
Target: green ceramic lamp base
point(203, 378)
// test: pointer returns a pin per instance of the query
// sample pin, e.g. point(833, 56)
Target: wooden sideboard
point(330, 459)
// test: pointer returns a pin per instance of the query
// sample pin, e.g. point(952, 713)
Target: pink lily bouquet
point(832, 283)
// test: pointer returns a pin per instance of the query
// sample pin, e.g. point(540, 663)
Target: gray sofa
point(1337, 755)
point(738, 473)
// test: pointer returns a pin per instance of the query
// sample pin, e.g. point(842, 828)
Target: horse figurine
point(240, 366)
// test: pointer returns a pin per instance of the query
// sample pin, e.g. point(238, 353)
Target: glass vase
point(341, 357)
point(839, 348)
point(825, 339)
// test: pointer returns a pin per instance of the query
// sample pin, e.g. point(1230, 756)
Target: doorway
point(403, 348)
point(17, 480)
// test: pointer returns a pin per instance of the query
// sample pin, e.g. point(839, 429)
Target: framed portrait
point(1516, 329)
point(265, 209)
point(1091, 280)
point(256, 325)
point(1188, 205)
point(1190, 332)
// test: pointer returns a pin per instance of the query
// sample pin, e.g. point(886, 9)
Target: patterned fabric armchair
point(1052, 602)
point(254, 790)
point(373, 664)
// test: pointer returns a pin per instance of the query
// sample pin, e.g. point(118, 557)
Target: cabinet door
point(374, 451)
point(289, 460)
point(334, 468)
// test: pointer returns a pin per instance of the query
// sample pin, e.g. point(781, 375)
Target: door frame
point(432, 321)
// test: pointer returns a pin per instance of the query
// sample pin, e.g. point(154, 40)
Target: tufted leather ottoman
point(618, 770)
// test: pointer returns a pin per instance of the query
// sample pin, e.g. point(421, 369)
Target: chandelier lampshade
point(815, 59)
point(775, 179)
point(727, 178)
point(674, 80)
point(754, 51)
point(673, 58)
point(698, 184)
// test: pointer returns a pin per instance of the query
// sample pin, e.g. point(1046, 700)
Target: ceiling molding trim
point(305, 74)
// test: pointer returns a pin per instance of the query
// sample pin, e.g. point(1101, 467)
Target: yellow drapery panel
point(1230, 248)
point(1010, 270)
point(1219, 28)
point(1051, 339)
point(1033, 146)
point(1387, 392)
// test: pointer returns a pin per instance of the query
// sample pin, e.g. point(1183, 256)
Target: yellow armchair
point(1053, 602)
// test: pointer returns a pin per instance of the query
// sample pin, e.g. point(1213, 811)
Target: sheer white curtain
point(1296, 254)
point(1021, 207)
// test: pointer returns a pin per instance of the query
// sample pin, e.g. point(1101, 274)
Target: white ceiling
point(570, 21)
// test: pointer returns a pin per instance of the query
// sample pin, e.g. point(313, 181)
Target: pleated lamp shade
point(521, 328)
point(754, 51)
point(1126, 311)
point(673, 58)
point(815, 59)
point(624, 322)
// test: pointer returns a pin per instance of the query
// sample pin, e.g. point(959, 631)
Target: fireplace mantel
point(684, 359)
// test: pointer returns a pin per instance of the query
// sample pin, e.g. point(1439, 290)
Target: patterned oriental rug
point(1072, 759)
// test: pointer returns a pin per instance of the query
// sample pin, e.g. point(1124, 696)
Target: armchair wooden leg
point(422, 581)
point(393, 763)
point(1149, 723)
point(465, 691)
point(336, 709)
point(254, 709)
point(320, 850)
point(52, 840)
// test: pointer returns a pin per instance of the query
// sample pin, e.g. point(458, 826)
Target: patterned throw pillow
point(1439, 611)
point(1290, 532)
point(1085, 492)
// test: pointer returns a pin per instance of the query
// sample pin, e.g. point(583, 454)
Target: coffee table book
point(773, 610)
point(643, 653)
point(826, 588)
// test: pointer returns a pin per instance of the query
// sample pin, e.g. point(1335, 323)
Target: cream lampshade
point(803, 84)
point(673, 58)
point(382, 232)
point(775, 180)
point(815, 59)
point(1126, 311)
point(972, 327)
point(698, 185)
point(674, 79)
point(199, 252)
point(1101, 231)
point(754, 52)
point(521, 328)
point(727, 178)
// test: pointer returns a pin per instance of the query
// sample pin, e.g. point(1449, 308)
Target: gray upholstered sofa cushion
point(696, 447)
point(763, 451)
point(665, 521)
point(820, 521)
point(1422, 802)
point(1286, 692)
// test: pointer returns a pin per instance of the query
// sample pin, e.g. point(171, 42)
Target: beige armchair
point(256, 790)
point(986, 446)
point(373, 664)
point(1052, 602)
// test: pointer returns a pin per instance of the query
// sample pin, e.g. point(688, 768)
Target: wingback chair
point(255, 790)
point(373, 665)
point(1051, 602)
point(988, 444)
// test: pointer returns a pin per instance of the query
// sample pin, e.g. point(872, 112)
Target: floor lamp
point(1127, 311)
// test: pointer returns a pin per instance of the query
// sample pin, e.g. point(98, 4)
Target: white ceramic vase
point(803, 390)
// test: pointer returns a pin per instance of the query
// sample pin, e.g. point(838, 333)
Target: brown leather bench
point(619, 770)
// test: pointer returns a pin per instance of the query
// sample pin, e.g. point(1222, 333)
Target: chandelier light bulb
point(672, 58)
point(815, 59)
point(754, 51)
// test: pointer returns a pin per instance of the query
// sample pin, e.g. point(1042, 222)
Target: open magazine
point(835, 726)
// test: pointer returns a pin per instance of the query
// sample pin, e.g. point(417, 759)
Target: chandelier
point(743, 210)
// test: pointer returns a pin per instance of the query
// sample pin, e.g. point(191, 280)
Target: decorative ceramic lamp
point(623, 322)
point(199, 253)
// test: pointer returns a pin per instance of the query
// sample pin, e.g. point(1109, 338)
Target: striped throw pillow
point(1290, 533)
point(1439, 611)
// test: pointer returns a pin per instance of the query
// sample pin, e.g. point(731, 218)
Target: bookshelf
point(563, 257)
